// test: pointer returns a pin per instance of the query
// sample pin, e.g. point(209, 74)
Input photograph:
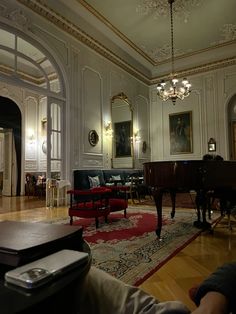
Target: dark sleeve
point(223, 280)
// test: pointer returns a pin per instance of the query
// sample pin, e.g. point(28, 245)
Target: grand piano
point(183, 176)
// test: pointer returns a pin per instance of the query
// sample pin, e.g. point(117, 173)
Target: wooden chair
point(30, 185)
point(137, 188)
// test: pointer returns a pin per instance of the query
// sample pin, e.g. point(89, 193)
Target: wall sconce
point(108, 129)
point(211, 145)
point(31, 136)
point(137, 138)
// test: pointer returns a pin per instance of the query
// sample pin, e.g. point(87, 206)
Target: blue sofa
point(81, 177)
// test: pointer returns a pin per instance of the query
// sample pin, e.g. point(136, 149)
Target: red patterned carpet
point(129, 249)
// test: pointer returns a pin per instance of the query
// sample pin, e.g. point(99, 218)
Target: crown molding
point(58, 20)
point(39, 7)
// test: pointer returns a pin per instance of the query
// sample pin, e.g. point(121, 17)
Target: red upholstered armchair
point(94, 203)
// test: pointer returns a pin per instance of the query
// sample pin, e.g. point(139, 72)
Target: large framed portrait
point(123, 133)
point(181, 141)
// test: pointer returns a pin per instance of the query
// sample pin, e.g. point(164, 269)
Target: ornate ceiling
point(135, 34)
point(200, 27)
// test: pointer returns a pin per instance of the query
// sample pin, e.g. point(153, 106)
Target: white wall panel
point(92, 108)
point(141, 121)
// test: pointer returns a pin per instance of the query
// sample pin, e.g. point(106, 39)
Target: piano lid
point(191, 174)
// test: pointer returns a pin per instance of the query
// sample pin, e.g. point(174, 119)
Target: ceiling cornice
point(140, 51)
point(70, 28)
point(73, 30)
point(116, 31)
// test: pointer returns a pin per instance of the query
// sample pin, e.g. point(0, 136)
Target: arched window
point(26, 63)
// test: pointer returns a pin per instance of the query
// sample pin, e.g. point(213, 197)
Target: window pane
point(7, 65)
point(56, 117)
point(7, 39)
point(56, 145)
point(29, 50)
point(29, 72)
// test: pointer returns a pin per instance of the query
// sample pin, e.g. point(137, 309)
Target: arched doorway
point(232, 127)
point(34, 77)
point(10, 119)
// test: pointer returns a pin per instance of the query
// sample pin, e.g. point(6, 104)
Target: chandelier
point(174, 91)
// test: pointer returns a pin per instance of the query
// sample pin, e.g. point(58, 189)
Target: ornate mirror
point(122, 125)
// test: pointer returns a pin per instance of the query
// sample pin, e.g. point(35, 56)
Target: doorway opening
point(10, 156)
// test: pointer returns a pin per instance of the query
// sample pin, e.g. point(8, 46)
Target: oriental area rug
point(128, 248)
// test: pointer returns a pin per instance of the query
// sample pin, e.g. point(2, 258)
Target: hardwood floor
point(173, 280)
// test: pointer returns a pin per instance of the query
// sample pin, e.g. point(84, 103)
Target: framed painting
point(181, 133)
point(123, 133)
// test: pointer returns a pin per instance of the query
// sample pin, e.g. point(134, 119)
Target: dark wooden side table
point(54, 297)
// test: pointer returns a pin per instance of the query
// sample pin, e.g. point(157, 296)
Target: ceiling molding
point(198, 69)
point(116, 31)
point(73, 30)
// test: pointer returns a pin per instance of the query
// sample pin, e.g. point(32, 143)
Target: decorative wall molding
point(92, 108)
point(30, 165)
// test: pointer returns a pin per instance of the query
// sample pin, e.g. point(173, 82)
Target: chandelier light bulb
point(185, 81)
point(174, 81)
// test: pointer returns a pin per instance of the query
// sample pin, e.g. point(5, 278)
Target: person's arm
point(212, 303)
point(217, 292)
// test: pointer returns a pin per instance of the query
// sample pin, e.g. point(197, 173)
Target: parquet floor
point(173, 280)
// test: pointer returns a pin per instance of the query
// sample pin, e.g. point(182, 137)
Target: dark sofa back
point(81, 181)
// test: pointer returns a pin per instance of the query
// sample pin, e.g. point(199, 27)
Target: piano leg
point(158, 195)
point(173, 198)
point(202, 206)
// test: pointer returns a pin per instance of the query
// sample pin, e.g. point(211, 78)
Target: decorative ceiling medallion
point(158, 8)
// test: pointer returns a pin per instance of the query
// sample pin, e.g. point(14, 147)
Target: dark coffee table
point(52, 297)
